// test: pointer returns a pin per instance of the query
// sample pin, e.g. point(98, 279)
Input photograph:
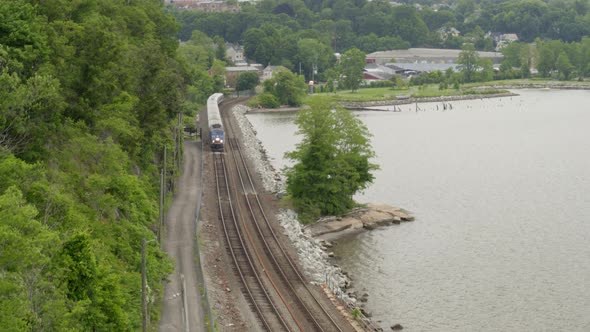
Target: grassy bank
point(432, 90)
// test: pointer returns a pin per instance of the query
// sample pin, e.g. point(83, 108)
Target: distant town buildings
point(377, 72)
point(425, 55)
point(206, 6)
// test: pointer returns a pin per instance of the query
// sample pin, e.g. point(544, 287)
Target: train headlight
point(221, 141)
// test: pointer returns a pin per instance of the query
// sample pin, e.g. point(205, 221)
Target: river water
point(501, 193)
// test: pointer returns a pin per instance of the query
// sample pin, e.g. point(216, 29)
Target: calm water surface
point(501, 193)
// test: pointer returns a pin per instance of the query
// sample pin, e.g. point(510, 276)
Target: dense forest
point(304, 34)
point(90, 93)
point(377, 25)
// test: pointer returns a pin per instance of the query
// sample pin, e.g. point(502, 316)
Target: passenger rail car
point(216, 130)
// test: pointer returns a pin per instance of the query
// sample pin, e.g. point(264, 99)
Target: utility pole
point(180, 134)
point(165, 153)
point(162, 196)
point(144, 310)
point(144, 307)
point(161, 221)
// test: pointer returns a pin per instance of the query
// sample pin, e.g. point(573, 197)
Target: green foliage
point(431, 77)
point(89, 92)
point(332, 162)
point(247, 81)
point(352, 64)
point(287, 87)
point(267, 100)
point(468, 59)
point(314, 56)
point(80, 267)
point(564, 66)
point(356, 313)
point(398, 82)
point(219, 48)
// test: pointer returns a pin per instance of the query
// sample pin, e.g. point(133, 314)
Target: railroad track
point(301, 308)
point(256, 294)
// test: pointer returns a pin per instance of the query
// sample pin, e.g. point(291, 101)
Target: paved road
point(180, 245)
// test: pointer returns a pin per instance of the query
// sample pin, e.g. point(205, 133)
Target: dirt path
point(180, 245)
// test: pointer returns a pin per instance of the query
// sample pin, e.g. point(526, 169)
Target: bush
point(380, 84)
point(268, 100)
point(265, 100)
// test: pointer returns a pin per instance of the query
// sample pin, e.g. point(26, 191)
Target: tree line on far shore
point(303, 35)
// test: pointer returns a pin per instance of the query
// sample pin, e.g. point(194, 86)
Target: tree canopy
point(288, 88)
point(247, 81)
point(352, 64)
point(331, 163)
point(89, 96)
point(469, 61)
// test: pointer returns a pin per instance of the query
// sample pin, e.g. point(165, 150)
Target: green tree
point(287, 87)
point(315, 56)
point(406, 23)
point(486, 70)
point(548, 57)
point(220, 48)
point(332, 161)
point(398, 82)
point(352, 64)
point(27, 247)
point(469, 61)
point(247, 81)
point(564, 66)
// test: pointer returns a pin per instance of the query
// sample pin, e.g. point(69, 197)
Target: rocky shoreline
point(368, 217)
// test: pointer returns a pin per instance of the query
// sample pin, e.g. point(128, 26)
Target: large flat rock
point(369, 217)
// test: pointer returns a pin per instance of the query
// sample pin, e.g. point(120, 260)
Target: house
point(502, 40)
point(268, 71)
point(235, 53)
point(447, 32)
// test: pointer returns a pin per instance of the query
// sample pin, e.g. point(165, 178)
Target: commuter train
point(216, 130)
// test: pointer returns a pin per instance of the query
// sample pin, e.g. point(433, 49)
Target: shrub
point(268, 100)
point(265, 100)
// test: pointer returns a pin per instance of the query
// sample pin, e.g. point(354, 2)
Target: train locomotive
point(216, 131)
